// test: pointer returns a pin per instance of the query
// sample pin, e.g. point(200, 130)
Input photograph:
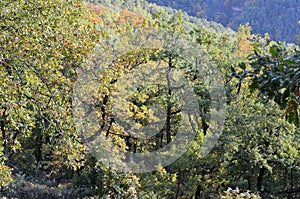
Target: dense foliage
point(276, 17)
point(45, 45)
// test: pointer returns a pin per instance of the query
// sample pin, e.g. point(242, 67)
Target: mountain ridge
point(277, 18)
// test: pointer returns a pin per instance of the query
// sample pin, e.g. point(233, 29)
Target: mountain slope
point(278, 18)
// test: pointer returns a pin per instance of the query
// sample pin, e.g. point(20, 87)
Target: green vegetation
point(276, 17)
point(45, 46)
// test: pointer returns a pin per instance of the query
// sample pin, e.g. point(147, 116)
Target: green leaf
point(274, 51)
point(242, 65)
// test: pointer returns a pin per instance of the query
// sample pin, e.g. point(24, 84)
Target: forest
point(276, 17)
point(131, 99)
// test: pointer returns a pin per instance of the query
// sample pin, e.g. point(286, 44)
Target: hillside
point(278, 18)
point(129, 99)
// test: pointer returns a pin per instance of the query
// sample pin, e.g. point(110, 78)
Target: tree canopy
point(278, 18)
point(124, 65)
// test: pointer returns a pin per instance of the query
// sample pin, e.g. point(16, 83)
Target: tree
point(274, 71)
point(278, 18)
point(42, 44)
point(153, 62)
point(259, 147)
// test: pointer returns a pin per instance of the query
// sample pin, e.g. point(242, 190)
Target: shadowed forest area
point(278, 18)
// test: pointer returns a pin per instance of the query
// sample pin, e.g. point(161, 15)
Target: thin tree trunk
point(198, 192)
point(290, 196)
point(249, 183)
point(2, 128)
point(169, 106)
point(260, 179)
point(178, 186)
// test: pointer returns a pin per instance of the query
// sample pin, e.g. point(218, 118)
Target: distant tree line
point(276, 17)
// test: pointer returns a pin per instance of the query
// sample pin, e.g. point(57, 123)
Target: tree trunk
point(2, 129)
point(249, 183)
point(168, 120)
point(198, 192)
point(260, 179)
point(290, 195)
